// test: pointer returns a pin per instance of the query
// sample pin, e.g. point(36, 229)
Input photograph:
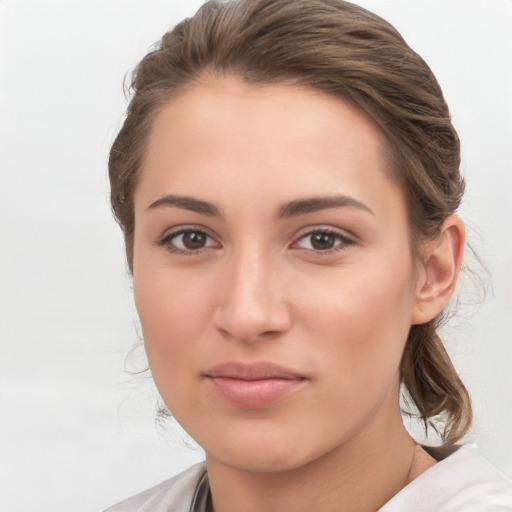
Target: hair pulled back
point(345, 51)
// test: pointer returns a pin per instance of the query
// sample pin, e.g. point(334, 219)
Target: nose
point(251, 301)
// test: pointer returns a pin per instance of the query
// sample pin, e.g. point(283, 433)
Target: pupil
point(194, 240)
point(322, 241)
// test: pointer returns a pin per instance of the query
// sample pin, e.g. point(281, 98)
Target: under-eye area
point(193, 240)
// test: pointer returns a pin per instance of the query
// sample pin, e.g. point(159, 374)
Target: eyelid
point(165, 239)
point(347, 239)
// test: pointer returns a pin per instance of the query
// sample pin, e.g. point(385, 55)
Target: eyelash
point(344, 241)
point(167, 239)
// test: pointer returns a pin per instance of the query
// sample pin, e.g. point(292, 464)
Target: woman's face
point(272, 272)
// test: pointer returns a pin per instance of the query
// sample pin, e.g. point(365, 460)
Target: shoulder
point(175, 494)
point(463, 481)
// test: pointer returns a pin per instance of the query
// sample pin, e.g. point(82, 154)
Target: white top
point(462, 482)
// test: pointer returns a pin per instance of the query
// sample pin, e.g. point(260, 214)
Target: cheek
point(361, 325)
point(173, 316)
point(170, 325)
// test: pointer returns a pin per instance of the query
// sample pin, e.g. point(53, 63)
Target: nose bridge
point(251, 303)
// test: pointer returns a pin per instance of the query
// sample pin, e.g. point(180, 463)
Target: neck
point(361, 475)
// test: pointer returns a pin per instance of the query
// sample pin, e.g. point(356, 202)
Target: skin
point(255, 289)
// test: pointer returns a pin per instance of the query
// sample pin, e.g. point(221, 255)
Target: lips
point(253, 386)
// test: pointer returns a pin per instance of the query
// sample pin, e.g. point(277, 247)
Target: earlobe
point(442, 259)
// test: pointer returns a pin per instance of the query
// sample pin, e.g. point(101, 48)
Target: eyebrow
point(315, 204)
point(291, 209)
point(187, 203)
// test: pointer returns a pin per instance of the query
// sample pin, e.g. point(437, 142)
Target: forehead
point(223, 136)
point(247, 112)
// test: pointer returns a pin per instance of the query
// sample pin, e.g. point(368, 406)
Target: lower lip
point(254, 394)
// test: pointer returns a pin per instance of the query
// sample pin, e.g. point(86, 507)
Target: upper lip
point(252, 371)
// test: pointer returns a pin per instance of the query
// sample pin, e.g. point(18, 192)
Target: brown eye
point(194, 240)
point(188, 241)
point(323, 241)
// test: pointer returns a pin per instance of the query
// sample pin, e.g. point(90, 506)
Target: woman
point(286, 180)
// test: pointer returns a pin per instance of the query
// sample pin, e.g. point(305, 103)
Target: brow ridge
point(187, 203)
point(314, 204)
point(291, 209)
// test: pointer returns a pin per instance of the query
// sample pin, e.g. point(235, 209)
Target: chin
point(259, 460)
point(265, 450)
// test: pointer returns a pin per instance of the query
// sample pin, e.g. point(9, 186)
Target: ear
point(438, 270)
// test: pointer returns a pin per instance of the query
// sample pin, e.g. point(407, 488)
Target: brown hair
point(339, 48)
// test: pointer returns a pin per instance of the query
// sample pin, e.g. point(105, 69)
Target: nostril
point(248, 327)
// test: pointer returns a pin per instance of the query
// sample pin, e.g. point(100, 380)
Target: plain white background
point(77, 433)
